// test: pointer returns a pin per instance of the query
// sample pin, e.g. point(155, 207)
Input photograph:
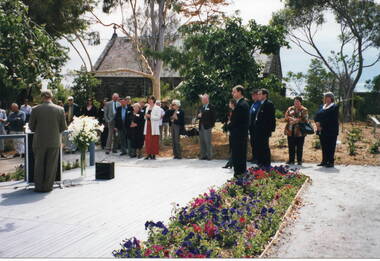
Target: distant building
point(120, 53)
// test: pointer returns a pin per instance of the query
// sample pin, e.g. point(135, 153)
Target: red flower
point(200, 256)
point(242, 220)
point(166, 253)
point(197, 228)
point(277, 196)
point(210, 228)
point(158, 248)
point(148, 252)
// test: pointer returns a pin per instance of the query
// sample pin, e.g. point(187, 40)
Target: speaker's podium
point(29, 177)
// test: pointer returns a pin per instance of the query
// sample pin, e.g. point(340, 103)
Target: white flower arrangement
point(84, 130)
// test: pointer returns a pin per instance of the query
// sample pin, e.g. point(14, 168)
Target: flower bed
point(238, 220)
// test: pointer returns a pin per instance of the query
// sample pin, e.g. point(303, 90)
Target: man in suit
point(252, 114)
point(47, 120)
point(122, 126)
point(109, 117)
point(207, 117)
point(264, 125)
point(239, 132)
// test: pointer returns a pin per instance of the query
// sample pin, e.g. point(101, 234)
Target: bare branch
point(146, 75)
point(85, 49)
point(72, 44)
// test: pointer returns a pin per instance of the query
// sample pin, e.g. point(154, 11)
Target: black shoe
point(107, 152)
point(133, 156)
point(123, 153)
point(299, 163)
point(322, 164)
point(329, 165)
point(153, 157)
point(148, 157)
point(290, 162)
point(227, 166)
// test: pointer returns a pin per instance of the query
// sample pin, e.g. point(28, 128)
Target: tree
point(319, 81)
point(60, 17)
point(295, 83)
point(28, 54)
point(147, 26)
point(83, 87)
point(374, 84)
point(359, 22)
point(214, 58)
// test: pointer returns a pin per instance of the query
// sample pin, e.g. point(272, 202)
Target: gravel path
point(340, 217)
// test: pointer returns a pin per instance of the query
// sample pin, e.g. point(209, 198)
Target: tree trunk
point(347, 87)
point(156, 86)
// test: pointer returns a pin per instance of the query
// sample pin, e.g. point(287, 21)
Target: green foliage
point(319, 81)
point(60, 92)
point(281, 143)
point(18, 174)
point(60, 17)
point(316, 143)
point(28, 54)
point(353, 136)
point(216, 58)
point(83, 87)
point(374, 148)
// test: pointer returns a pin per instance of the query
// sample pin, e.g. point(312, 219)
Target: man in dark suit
point(122, 124)
point(252, 115)
point(207, 117)
point(239, 132)
point(47, 120)
point(264, 124)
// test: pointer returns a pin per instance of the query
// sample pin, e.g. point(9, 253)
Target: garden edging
point(288, 212)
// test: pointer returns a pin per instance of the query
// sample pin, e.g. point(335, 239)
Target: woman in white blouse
point(152, 128)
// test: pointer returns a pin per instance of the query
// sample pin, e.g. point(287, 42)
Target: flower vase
point(83, 163)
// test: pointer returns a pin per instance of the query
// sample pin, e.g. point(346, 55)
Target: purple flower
point(264, 211)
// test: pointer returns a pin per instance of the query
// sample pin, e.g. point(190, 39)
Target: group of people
point(13, 123)
point(131, 126)
point(258, 121)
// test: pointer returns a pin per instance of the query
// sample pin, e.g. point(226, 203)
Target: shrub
point(279, 114)
point(316, 143)
point(353, 136)
point(374, 148)
point(282, 143)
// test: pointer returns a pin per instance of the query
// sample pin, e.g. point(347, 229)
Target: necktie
point(114, 106)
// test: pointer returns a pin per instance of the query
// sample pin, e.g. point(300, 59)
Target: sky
point(293, 59)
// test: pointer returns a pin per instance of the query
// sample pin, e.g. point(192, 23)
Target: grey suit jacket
point(109, 114)
point(48, 122)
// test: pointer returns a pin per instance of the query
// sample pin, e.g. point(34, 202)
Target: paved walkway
point(340, 218)
point(91, 220)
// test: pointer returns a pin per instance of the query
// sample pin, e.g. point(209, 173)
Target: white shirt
point(26, 108)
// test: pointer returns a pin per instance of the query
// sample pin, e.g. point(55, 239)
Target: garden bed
point(238, 220)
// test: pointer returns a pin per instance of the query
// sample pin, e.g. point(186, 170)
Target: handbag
point(306, 128)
